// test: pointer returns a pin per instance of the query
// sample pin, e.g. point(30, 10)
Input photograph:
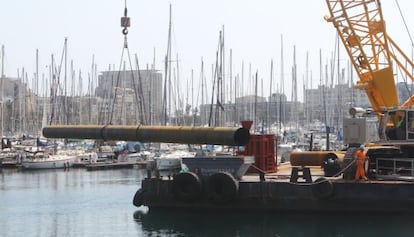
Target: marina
point(219, 182)
point(134, 150)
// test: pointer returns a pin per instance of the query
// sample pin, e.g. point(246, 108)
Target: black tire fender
point(222, 187)
point(349, 173)
point(322, 188)
point(139, 198)
point(186, 186)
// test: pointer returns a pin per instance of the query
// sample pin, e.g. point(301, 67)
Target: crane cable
point(125, 23)
point(411, 40)
point(405, 23)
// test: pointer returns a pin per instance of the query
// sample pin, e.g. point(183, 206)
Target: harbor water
point(99, 203)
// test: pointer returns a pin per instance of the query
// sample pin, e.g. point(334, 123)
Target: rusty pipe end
point(241, 137)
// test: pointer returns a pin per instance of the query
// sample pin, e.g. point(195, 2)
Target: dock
point(105, 165)
point(9, 164)
point(114, 165)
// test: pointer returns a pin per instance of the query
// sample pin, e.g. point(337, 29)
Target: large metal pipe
point(314, 158)
point(168, 134)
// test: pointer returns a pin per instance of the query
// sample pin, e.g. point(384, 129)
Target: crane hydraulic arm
point(361, 27)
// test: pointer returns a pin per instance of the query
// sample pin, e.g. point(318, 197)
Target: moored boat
point(41, 160)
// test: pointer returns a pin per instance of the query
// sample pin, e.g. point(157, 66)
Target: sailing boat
point(44, 160)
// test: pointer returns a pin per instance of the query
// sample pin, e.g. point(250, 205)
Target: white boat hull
point(168, 166)
point(60, 162)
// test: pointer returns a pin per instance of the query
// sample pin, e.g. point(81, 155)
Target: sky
point(252, 30)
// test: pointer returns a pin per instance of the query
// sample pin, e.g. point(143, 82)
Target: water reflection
point(186, 223)
point(68, 203)
point(83, 203)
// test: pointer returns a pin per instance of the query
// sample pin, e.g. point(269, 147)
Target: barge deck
point(278, 194)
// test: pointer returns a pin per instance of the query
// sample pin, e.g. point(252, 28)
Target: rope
point(116, 87)
point(344, 169)
point(258, 169)
point(326, 180)
point(411, 40)
point(405, 23)
point(138, 92)
point(261, 173)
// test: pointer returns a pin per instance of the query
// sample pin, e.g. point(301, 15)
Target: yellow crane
point(362, 29)
point(374, 55)
point(372, 51)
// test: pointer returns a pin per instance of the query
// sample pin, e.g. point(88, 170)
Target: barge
point(290, 189)
point(251, 180)
point(249, 194)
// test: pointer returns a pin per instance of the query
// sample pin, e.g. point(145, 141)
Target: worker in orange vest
point(360, 159)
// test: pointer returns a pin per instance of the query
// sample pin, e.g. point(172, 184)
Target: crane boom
point(374, 55)
point(361, 27)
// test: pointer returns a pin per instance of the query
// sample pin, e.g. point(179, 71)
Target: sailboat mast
point(22, 99)
point(169, 86)
point(270, 97)
point(241, 94)
point(167, 78)
point(255, 101)
point(339, 85)
point(80, 97)
point(65, 96)
point(323, 96)
point(295, 89)
point(192, 96)
point(306, 86)
point(233, 117)
point(89, 91)
point(250, 80)
point(151, 101)
point(203, 115)
point(71, 111)
point(282, 86)
point(178, 103)
point(2, 91)
point(223, 80)
point(123, 91)
point(36, 89)
point(220, 83)
point(164, 101)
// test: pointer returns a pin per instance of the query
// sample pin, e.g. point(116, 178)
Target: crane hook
point(125, 21)
point(125, 31)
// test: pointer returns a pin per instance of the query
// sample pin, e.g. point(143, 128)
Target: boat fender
point(139, 198)
point(186, 186)
point(222, 187)
point(196, 170)
point(348, 169)
point(322, 188)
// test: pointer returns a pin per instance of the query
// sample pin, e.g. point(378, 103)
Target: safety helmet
point(362, 147)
